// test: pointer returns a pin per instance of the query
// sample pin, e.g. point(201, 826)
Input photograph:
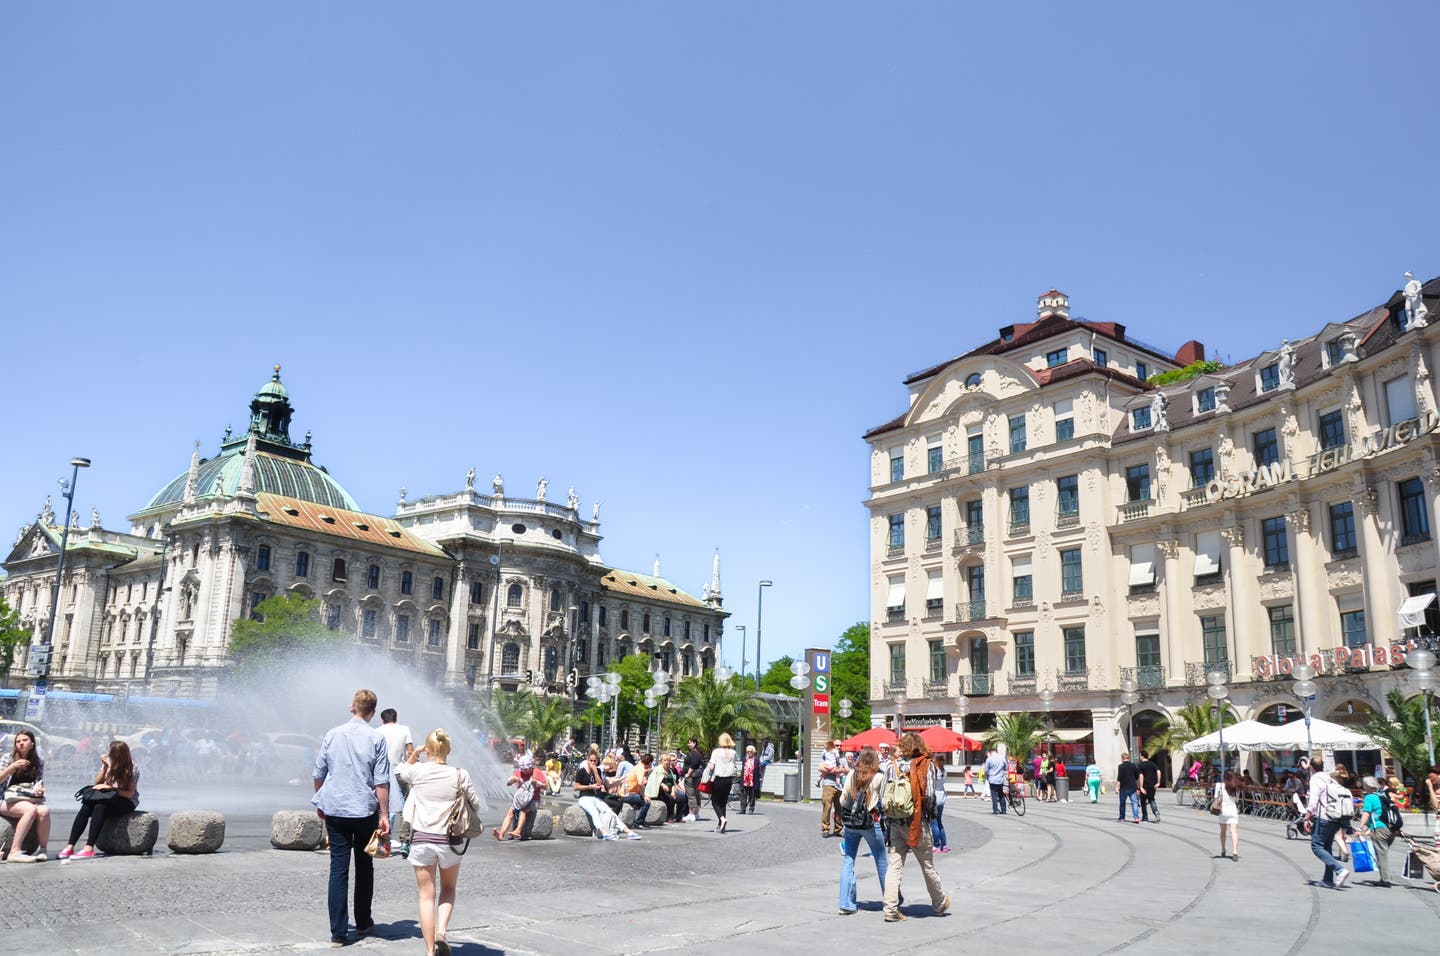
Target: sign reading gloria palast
point(1334, 660)
point(1268, 476)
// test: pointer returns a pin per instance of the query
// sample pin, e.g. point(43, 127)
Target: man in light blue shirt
point(995, 777)
point(352, 796)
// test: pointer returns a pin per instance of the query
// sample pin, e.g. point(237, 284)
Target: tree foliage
point(850, 676)
point(1190, 723)
point(1020, 733)
point(704, 707)
point(1402, 734)
point(13, 636)
point(527, 715)
point(288, 625)
point(1193, 370)
point(776, 679)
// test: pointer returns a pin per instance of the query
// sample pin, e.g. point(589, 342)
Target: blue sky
point(679, 255)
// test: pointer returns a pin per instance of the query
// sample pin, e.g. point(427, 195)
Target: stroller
point(1429, 858)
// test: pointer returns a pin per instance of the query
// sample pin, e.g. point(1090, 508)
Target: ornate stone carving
point(1162, 471)
point(1093, 536)
point(1299, 520)
point(1234, 535)
point(1097, 607)
point(1042, 542)
point(1047, 613)
point(1226, 448)
point(1209, 596)
point(1416, 313)
point(1275, 586)
point(1168, 548)
point(1143, 606)
point(1343, 574)
point(1369, 501)
point(1416, 559)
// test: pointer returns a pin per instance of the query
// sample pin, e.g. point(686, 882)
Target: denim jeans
point(1321, 837)
point(1133, 797)
point(997, 798)
point(937, 829)
point(348, 835)
point(874, 838)
point(641, 805)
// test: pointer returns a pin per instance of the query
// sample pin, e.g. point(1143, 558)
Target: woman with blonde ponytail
point(434, 786)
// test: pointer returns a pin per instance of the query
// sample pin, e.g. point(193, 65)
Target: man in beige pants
point(832, 776)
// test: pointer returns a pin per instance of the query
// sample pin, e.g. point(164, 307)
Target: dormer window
point(1270, 377)
point(972, 380)
point(1140, 419)
point(1102, 358)
point(1205, 400)
point(1334, 353)
point(1057, 357)
point(1142, 371)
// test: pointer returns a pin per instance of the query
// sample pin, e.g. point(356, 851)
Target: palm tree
point(545, 719)
point(1190, 723)
point(508, 713)
point(1019, 732)
point(1403, 735)
point(704, 707)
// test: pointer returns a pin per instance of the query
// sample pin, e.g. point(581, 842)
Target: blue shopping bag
point(1362, 856)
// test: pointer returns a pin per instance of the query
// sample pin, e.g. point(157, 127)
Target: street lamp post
point(844, 711)
point(68, 489)
point(899, 697)
point(744, 649)
point(1304, 688)
point(1218, 692)
point(759, 618)
point(962, 708)
point(1129, 695)
point(1422, 662)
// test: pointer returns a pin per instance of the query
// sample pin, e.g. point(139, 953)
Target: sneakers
point(846, 912)
point(632, 836)
point(896, 917)
point(23, 858)
point(943, 907)
point(609, 836)
point(83, 855)
point(1341, 877)
point(64, 854)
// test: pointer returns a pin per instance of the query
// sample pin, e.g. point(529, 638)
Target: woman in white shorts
point(1226, 791)
point(434, 785)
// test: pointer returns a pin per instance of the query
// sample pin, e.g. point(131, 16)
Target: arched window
point(688, 663)
point(552, 661)
point(667, 625)
point(624, 619)
point(514, 595)
point(262, 558)
point(645, 623)
point(337, 570)
point(555, 599)
point(510, 659)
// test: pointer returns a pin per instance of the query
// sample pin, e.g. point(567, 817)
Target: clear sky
point(677, 254)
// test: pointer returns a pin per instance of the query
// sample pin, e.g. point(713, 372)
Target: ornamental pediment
point(32, 543)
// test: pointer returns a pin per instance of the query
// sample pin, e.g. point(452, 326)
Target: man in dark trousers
point(1149, 786)
point(1127, 782)
point(694, 766)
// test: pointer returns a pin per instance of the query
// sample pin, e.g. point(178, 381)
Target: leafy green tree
point(546, 719)
point(508, 712)
point(635, 679)
point(12, 637)
point(1020, 732)
point(287, 625)
point(850, 676)
point(1191, 722)
point(1402, 734)
point(704, 707)
point(776, 679)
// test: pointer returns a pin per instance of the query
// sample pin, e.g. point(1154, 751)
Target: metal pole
point(49, 641)
point(495, 559)
point(1429, 735)
point(759, 621)
point(743, 650)
point(1220, 720)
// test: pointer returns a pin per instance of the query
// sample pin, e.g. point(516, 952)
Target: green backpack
point(898, 801)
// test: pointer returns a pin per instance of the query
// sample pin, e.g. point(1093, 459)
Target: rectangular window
point(897, 466)
point(895, 600)
point(1270, 377)
point(1282, 630)
point(1266, 447)
point(937, 661)
point(402, 629)
point(407, 582)
point(1342, 529)
point(975, 581)
point(1212, 635)
point(1140, 419)
point(1332, 429)
point(1335, 352)
point(332, 616)
point(1142, 371)
point(1205, 400)
point(1067, 494)
point(1276, 542)
point(897, 531)
point(1023, 587)
point(935, 595)
point(1142, 567)
point(1024, 653)
point(897, 664)
point(1137, 483)
point(367, 624)
point(584, 614)
point(1074, 650)
point(1202, 467)
point(302, 565)
point(437, 588)
point(1147, 650)
point(934, 458)
point(1352, 628)
point(434, 636)
point(1020, 508)
point(1102, 358)
point(975, 514)
point(932, 523)
point(1057, 357)
point(1017, 434)
point(1399, 400)
point(255, 614)
point(600, 616)
point(372, 577)
point(1414, 514)
point(1207, 554)
point(337, 570)
point(1071, 577)
point(1064, 420)
point(477, 592)
point(262, 558)
point(472, 639)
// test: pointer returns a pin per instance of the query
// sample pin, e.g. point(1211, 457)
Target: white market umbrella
point(1323, 734)
point(1245, 735)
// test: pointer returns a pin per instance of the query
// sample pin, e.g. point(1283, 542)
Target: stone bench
point(657, 815)
point(576, 822)
point(7, 834)
point(196, 831)
point(542, 825)
point(296, 830)
point(134, 834)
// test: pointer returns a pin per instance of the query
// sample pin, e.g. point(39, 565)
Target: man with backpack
point(1330, 807)
point(908, 806)
point(1381, 817)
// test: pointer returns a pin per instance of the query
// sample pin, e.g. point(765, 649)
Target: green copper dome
point(281, 476)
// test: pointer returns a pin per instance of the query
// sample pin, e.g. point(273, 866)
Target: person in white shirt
point(1323, 790)
point(434, 786)
point(832, 774)
point(398, 746)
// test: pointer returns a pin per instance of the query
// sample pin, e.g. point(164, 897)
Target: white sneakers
point(1341, 877)
point(26, 858)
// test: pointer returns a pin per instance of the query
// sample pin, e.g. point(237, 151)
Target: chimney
point(1190, 353)
point(1054, 303)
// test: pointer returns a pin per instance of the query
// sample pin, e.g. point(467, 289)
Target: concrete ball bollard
point(576, 822)
point(544, 826)
point(296, 830)
point(196, 831)
point(134, 834)
point(7, 834)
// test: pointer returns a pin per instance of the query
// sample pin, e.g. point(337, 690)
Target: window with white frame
point(1399, 400)
point(934, 594)
point(1064, 420)
point(1142, 567)
point(895, 599)
point(934, 456)
point(1207, 554)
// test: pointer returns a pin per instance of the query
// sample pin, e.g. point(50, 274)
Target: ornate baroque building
point(1046, 524)
point(471, 589)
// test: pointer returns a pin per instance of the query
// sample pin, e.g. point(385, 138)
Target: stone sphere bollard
point(576, 822)
point(544, 826)
point(657, 814)
point(196, 831)
point(133, 834)
point(296, 830)
point(7, 834)
point(627, 815)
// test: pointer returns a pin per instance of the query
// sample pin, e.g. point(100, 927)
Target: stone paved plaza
point(1066, 873)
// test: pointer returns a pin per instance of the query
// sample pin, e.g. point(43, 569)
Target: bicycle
point(1016, 800)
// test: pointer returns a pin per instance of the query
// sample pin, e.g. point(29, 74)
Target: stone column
point(1171, 621)
point(1241, 586)
point(1309, 578)
point(1379, 603)
point(455, 647)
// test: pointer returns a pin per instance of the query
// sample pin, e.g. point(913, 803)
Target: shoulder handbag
point(461, 825)
point(88, 794)
point(24, 793)
point(1217, 806)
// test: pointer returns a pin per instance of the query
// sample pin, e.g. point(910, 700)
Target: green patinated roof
point(281, 476)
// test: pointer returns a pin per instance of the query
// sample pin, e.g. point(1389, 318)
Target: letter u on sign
point(822, 662)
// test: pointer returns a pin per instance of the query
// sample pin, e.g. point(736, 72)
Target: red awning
point(944, 740)
point(873, 737)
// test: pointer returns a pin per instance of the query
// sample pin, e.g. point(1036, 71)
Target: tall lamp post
point(899, 697)
point(1304, 688)
point(1217, 692)
point(45, 647)
point(1422, 662)
point(844, 710)
point(1129, 694)
point(962, 708)
point(759, 619)
point(744, 649)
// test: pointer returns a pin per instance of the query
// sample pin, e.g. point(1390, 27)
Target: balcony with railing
point(1146, 676)
point(932, 541)
point(978, 685)
point(895, 551)
point(1135, 510)
point(972, 536)
point(1069, 681)
point(1022, 684)
point(1067, 517)
point(1193, 497)
point(892, 687)
point(971, 611)
point(1019, 527)
point(895, 615)
point(966, 464)
point(1196, 671)
point(935, 689)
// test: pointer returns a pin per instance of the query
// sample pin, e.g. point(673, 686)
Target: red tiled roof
point(354, 525)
